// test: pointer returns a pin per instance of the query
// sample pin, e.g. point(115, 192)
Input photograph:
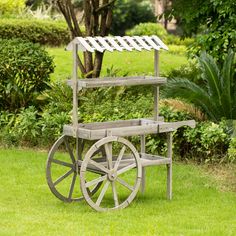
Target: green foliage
point(24, 72)
point(208, 141)
point(128, 13)
point(148, 29)
point(43, 32)
point(215, 20)
point(232, 150)
point(157, 29)
point(8, 7)
point(217, 98)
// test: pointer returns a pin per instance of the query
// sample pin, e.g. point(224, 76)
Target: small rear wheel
point(119, 173)
point(62, 169)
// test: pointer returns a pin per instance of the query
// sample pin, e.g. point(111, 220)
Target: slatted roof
point(117, 43)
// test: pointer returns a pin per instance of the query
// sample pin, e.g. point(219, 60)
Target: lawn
point(135, 63)
point(27, 207)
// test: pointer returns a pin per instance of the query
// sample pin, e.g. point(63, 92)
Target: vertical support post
point(169, 166)
point(75, 88)
point(143, 150)
point(156, 88)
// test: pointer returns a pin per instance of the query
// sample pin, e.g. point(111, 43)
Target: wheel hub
point(112, 176)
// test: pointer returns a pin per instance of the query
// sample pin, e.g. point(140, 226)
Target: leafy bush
point(217, 98)
point(207, 141)
point(232, 150)
point(128, 13)
point(43, 32)
point(157, 29)
point(148, 29)
point(24, 72)
point(8, 7)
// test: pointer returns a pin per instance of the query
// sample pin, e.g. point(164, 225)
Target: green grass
point(27, 207)
point(136, 63)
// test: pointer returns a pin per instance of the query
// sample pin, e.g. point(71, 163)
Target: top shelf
point(123, 81)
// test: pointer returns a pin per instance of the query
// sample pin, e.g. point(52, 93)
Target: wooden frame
point(108, 166)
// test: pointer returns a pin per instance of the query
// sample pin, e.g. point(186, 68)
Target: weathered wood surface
point(110, 174)
point(122, 81)
point(172, 126)
point(98, 130)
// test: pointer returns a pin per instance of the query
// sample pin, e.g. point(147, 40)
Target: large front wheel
point(119, 172)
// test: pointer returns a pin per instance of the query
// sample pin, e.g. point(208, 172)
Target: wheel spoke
point(122, 182)
point(99, 166)
point(95, 181)
point(115, 194)
point(108, 150)
point(123, 170)
point(59, 162)
point(63, 177)
point(101, 195)
point(121, 154)
point(72, 185)
point(69, 150)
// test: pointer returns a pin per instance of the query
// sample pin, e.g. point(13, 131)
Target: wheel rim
point(62, 170)
point(120, 174)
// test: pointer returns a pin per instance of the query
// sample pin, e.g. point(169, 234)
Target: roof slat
point(142, 43)
point(105, 44)
point(149, 40)
point(133, 43)
point(85, 44)
point(128, 43)
point(158, 41)
point(114, 43)
point(123, 43)
point(95, 44)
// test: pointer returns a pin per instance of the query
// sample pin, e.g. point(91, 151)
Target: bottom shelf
point(146, 160)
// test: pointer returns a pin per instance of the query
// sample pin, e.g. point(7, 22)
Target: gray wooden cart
point(112, 170)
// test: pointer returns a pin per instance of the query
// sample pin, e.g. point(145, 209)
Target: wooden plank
point(142, 43)
point(152, 160)
point(159, 42)
point(114, 43)
point(151, 43)
point(123, 43)
point(143, 150)
point(171, 126)
point(122, 81)
point(95, 44)
point(104, 43)
point(131, 41)
point(85, 44)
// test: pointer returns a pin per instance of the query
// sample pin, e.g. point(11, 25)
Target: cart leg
point(169, 166)
point(143, 169)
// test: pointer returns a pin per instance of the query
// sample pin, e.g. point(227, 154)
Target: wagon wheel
point(62, 170)
point(120, 178)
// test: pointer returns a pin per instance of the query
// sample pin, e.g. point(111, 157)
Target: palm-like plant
point(217, 96)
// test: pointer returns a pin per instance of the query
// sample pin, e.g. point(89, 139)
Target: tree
point(97, 19)
point(213, 20)
point(217, 97)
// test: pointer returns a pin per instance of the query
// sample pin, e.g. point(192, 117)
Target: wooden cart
point(112, 170)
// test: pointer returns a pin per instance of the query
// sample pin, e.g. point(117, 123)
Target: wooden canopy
point(117, 43)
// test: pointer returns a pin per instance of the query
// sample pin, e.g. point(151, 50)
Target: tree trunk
point(97, 20)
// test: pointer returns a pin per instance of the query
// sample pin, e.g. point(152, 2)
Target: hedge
point(44, 32)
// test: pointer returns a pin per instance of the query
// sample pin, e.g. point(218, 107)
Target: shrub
point(24, 72)
point(208, 141)
point(232, 150)
point(157, 29)
point(8, 7)
point(148, 29)
point(43, 32)
point(128, 13)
